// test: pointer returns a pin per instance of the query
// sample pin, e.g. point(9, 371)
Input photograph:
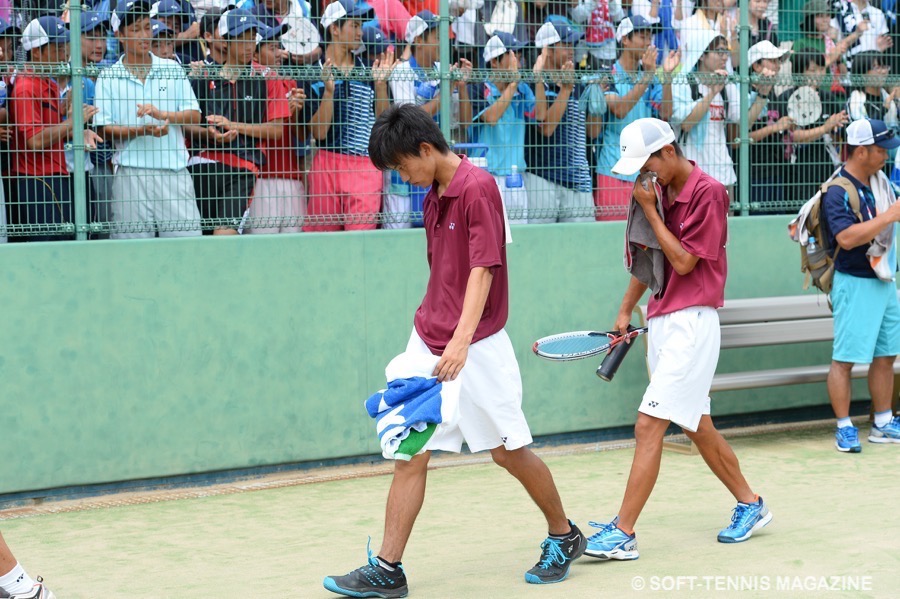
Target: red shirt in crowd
point(698, 218)
point(464, 229)
point(35, 105)
point(281, 155)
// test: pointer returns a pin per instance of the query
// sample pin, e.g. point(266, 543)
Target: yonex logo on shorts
point(653, 404)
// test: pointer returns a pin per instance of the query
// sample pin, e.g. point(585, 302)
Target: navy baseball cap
point(373, 41)
point(167, 8)
point(235, 22)
point(267, 34)
point(43, 31)
point(92, 20)
point(343, 9)
point(159, 28)
point(631, 24)
point(127, 10)
point(419, 24)
point(871, 132)
point(7, 28)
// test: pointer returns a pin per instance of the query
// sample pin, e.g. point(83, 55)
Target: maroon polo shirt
point(698, 218)
point(464, 229)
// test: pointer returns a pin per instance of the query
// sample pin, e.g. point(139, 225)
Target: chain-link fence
point(185, 118)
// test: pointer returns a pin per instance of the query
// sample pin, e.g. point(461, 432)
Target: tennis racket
point(581, 344)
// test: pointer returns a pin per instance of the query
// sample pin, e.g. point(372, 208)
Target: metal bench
point(776, 321)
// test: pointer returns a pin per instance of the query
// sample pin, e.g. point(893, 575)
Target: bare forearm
point(465, 106)
point(122, 132)
point(182, 117)
point(50, 136)
point(271, 131)
point(665, 111)
point(862, 233)
point(633, 295)
point(477, 288)
point(556, 112)
point(496, 110)
point(805, 135)
point(382, 102)
point(320, 122)
point(700, 109)
point(620, 106)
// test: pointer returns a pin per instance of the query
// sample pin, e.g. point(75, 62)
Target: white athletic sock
point(844, 422)
point(882, 418)
point(16, 581)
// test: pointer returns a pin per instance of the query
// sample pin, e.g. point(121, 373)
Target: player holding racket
point(683, 333)
point(460, 319)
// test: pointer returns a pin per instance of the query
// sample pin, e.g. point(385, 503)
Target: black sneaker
point(372, 580)
point(556, 557)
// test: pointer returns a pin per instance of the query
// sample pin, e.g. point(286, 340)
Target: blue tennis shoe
point(611, 542)
point(846, 439)
point(746, 519)
point(889, 433)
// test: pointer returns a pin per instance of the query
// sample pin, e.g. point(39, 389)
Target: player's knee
point(416, 466)
point(502, 456)
point(649, 430)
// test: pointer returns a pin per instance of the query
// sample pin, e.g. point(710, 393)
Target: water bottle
point(514, 179)
point(811, 246)
point(515, 198)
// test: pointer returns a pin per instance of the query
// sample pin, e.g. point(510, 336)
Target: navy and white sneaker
point(746, 519)
point(889, 433)
point(556, 557)
point(611, 542)
point(846, 439)
point(371, 580)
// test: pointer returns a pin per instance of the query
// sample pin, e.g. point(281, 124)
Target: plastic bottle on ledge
point(515, 197)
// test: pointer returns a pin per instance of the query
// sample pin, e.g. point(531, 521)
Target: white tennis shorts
point(490, 398)
point(683, 354)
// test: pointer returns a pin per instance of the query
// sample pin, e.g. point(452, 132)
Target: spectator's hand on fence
point(718, 81)
point(539, 64)
point(91, 139)
point(6, 134)
point(382, 69)
point(465, 70)
point(328, 75)
point(513, 71)
point(88, 112)
point(153, 130)
point(220, 122)
point(785, 123)
point(296, 98)
point(149, 110)
point(837, 120)
point(884, 42)
point(220, 137)
point(198, 69)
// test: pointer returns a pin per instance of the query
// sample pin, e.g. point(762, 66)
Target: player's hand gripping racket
point(584, 344)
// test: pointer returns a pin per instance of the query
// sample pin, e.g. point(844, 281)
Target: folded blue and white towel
point(413, 406)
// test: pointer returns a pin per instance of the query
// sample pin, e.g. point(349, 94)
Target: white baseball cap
point(764, 49)
point(419, 24)
point(499, 44)
point(638, 140)
point(339, 9)
point(871, 132)
point(552, 33)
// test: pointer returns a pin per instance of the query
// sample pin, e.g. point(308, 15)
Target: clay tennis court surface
point(835, 533)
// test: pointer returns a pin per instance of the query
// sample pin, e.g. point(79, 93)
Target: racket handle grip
point(612, 361)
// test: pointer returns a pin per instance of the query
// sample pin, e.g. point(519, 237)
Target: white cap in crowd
point(638, 140)
point(764, 49)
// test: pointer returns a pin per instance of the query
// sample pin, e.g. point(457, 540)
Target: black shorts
point(223, 192)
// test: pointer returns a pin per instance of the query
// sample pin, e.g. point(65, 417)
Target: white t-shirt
point(707, 142)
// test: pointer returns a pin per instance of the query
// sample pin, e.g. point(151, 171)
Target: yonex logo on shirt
point(452, 226)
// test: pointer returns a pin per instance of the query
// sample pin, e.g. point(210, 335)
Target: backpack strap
point(852, 198)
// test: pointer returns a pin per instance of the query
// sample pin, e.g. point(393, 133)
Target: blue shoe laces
point(551, 553)
point(849, 434)
point(740, 514)
point(374, 572)
point(604, 528)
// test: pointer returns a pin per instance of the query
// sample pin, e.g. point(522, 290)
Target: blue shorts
point(866, 319)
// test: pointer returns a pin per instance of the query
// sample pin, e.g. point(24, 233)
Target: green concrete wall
point(129, 360)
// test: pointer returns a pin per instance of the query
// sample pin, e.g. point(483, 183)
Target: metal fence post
point(446, 82)
point(76, 79)
point(744, 147)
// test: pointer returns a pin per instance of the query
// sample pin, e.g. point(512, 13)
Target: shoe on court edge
point(38, 591)
point(746, 519)
point(611, 542)
point(846, 439)
point(556, 557)
point(889, 433)
point(371, 580)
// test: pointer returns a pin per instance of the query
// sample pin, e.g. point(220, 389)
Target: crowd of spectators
point(212, 117)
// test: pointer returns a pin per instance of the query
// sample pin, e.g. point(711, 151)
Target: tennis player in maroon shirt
point(683, 332)
point(461, 320)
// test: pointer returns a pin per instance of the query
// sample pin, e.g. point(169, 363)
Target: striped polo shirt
point(354, 110)
point(561, 158)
